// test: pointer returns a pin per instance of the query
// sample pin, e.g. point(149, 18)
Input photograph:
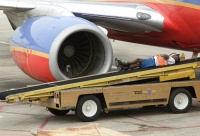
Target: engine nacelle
point(57, 48)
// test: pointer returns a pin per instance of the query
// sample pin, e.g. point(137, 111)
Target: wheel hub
point(181, 101)
point(88, 108)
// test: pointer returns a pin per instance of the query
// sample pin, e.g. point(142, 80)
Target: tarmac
point(22, 119)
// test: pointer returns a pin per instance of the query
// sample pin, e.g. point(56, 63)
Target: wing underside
point(15, 4)
point(125, 17)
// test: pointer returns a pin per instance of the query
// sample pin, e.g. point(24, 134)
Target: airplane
point(63, 39)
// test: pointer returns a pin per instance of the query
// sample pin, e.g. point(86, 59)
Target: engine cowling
point(57, 48)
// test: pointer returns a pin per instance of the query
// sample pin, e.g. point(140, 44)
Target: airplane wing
point(15, 4)
point(124, 17)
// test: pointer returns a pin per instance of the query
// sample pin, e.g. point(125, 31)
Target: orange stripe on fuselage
point(29, 51)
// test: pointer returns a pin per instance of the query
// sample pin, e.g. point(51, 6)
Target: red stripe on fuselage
point(181, 24)
point(36, 67)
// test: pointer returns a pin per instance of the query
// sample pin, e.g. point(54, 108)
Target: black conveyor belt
point(81, 79)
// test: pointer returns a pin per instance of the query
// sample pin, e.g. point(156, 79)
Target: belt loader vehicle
point(174, 86)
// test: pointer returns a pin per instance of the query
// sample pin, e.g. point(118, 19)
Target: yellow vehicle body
point(125, 96)
point(89, 95)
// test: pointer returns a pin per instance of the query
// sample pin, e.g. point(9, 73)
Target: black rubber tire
point(79, 108)
point(58, 112)
point(171, 103)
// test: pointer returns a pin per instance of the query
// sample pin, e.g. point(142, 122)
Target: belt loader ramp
point(116, 90)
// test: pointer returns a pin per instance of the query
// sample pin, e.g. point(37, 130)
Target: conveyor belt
point(81, 79)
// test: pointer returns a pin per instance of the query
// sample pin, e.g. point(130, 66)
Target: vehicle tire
point(180, 100)
point(88, 108)
point(58, 112)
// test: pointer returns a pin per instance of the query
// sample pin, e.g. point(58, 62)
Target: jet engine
point(52, 48)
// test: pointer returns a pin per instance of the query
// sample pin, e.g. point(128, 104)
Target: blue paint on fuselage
point(38, 33)
point(195, 2)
